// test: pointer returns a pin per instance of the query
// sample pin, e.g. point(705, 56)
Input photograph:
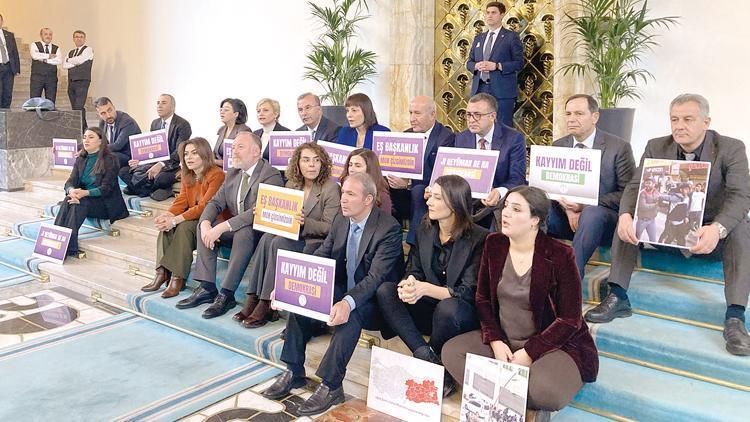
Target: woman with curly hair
point(309, 170)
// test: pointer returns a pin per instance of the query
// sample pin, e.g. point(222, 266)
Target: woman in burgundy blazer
point(558, 347)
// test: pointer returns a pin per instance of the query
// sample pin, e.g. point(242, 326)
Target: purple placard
point(52, 242)
point(304, 284)
point(64, 153)
point(475, 165)
point(400, 154)
point(338, 154)
point(149, 147)
point(281, 146)
point(228, 154)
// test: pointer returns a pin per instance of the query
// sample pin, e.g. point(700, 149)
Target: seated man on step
point(726, 228)
point(366, 244)
point(238, 194)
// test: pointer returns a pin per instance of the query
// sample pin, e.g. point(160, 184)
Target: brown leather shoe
point(247, 308)
point(176, 285)
point(162, 276)
point(261, 315)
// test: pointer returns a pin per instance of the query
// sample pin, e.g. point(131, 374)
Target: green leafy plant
point(334, 62)
point(614, 36)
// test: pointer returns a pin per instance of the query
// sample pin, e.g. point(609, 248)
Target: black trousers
point(332, 369)
point(46, 83)
point(77, 93)
point(6, 85)
point(440, 319)
point(141, 185)
point(122, 158)
point(72, 216)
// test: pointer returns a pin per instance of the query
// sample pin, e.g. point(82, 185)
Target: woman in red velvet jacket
point(529, 306)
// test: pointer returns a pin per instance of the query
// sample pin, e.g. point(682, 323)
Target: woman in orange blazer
point(529, 306)
point(177, 227)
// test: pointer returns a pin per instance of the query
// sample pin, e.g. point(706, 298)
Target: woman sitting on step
point(309, 170)
point(177, 227)
point(529, 306)
point(365, 161)
point(436, 297)
point(91, 190)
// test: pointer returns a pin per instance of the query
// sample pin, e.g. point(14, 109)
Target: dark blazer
point(179, 130)
point(12, 47)
point(463, 264)
point(380, 257)
point(728, 191)
point(277, 128)
point(107, 182)
point(226, 197)
point(511, 167)
point(508, 51)
point(617, 166)
point(554, 296)
point(124, 127)
point(222, 135)
point(440, 136)
point(320, 208)
point(348, 135)
point(327, 130)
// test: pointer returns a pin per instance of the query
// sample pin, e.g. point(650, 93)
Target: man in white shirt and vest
point(78, 64)
point(45, 57)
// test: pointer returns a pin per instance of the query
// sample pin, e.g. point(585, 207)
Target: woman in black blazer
point(92, 189)
point(267, 113)
point(436, 297)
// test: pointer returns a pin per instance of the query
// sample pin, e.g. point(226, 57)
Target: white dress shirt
point(44, 57)
point(86, 55)
point(5, 46)
point(588, 142)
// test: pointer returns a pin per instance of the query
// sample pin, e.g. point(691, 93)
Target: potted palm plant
point(334, 61)
point(613, 36)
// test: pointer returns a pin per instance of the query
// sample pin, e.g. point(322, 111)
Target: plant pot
point(617, 121)
point(336, 114)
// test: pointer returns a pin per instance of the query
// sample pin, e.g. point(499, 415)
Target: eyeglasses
point(306, 108)
point(476, 116)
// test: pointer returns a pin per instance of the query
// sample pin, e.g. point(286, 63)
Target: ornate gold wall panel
point(457, 22)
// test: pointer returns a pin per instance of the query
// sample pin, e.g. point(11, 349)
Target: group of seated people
point(484, 277)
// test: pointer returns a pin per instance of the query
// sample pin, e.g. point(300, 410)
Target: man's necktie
point(244, 187)
point(352, 245)
point(485, 76)
point(580, 145)
point(78, 51)
point(482, 143)
point(46, 48)
point(312, 136)
point(163, 124)
point(111, 133)
point(689, 156)
point(3, 53)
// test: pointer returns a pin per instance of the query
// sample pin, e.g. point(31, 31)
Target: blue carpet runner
point(120, 368)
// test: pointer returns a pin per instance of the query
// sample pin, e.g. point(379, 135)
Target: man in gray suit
point(726, 228)
point(237, 195)
point(365, 242)
point(590, 226)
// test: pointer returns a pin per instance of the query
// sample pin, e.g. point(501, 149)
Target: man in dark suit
point(237, 195)
point(495, 58)
point(311, 113)
point(726, 229)
point(78, 63)
point(486, 133)
point(156, 179)
point(45, 57)
point(366, 244)
point(10, 65)
point(594, 225)
point(117, 127)
point(410, 200)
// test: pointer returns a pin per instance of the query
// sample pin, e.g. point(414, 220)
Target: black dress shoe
point(735, 333)
point(222, 304)
point(449, 385)
point(199, 297)
point(427, 354)
point(128, 191)
point(611, 307)
point(321, 400)
point(283, 386)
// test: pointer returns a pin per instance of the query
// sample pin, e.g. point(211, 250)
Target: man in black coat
point(10, 65)
point(117, 126)
point(156, 179)
point(311, 113)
